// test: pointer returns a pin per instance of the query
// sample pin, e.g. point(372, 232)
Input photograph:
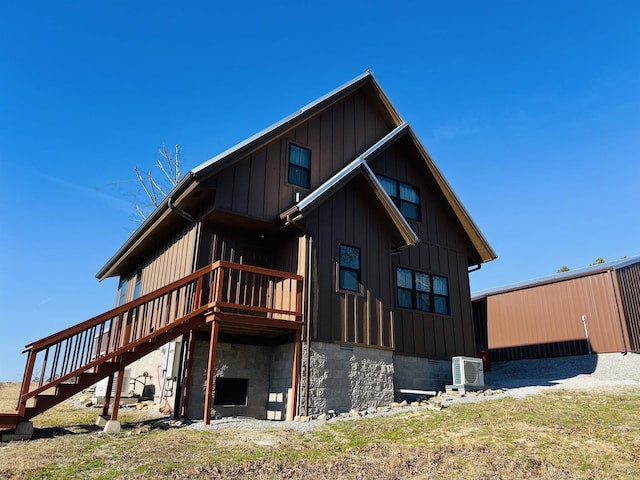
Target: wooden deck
point(240, 296)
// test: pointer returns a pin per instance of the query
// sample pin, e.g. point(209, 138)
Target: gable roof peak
point(298, 117)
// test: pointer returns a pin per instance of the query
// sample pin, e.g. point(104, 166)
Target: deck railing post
point(26, 382)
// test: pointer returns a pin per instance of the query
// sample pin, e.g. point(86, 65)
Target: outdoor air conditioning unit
point(467, 372)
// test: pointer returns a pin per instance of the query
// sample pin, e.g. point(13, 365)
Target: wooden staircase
point(73, 359)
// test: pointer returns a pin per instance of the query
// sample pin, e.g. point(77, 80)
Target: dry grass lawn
point(561, 435)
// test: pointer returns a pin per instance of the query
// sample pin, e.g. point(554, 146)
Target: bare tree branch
point(156, 189)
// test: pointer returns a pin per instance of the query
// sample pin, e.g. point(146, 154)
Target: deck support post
point(211, 373)
point(187, 375)
point(116, 398)
point(295, 376)
point(107, 396)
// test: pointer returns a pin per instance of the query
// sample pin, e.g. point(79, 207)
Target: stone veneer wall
point(417, 373)
point(349, 377)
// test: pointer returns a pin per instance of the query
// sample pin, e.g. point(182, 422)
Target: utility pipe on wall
point(586, 333)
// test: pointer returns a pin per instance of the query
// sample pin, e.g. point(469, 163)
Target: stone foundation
point(344, 378)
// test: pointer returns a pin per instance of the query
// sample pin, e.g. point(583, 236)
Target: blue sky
point(530, 109)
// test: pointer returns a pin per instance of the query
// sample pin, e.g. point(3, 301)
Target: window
point(349, 271)
point(138, 285)
point(299, 166)
point(230, 391)
point(123, 290)
point(422, 291)
point(405, 196)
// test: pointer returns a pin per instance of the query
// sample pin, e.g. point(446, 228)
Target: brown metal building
point(594, 309)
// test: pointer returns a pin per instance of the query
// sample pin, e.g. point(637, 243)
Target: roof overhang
point(478, 240)
point(360, 165)
point(214, 165)
point(143, 233)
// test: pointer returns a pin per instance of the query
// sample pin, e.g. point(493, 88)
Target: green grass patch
point(556, 435)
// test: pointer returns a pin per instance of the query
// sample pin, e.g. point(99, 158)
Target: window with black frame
point(299, 166)
point(422, 291)
point(405, 196)
point(349, 268)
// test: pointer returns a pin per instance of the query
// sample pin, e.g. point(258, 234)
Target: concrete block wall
point(349, 377)
point(281, 366)
point(418, 373)
point(235, 361)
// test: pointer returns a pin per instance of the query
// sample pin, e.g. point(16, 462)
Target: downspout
point(307, 315)
point(179, 211)
point(618, 316)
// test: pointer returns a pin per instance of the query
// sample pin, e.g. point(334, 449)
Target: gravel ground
point(515, 379)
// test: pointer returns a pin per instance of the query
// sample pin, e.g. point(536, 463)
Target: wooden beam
point(257, 321)
point(186, 388)
point(107, 396)
point(116, 399)
point(295, 377)
point(211, 373)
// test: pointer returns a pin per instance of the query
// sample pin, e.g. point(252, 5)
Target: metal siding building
point(594, 309)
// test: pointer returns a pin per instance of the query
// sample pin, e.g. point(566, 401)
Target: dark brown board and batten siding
point(444, 249)
point(371, 318)
point(257, 186)
point(172, 260)
point(361, 318)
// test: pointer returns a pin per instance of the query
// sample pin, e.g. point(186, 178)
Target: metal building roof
point(557, 277)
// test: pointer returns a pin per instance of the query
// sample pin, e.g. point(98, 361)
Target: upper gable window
point(299, 166)
point(405, 196)
point(349, 271)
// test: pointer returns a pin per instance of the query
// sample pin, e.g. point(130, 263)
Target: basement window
point(231, 392)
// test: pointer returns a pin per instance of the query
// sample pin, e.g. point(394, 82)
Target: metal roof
point(291, 119)
point(190, 181)
point(215, 164)
point(558, 277)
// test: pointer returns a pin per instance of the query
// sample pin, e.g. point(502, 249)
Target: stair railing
point(226, 286)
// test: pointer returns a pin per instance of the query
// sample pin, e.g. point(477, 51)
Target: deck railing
point(220, 287)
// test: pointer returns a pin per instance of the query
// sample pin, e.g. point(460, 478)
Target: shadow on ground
point(546, 372)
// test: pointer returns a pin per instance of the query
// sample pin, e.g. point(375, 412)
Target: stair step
point(44, 402)
point(107, 367)
point(8, 421)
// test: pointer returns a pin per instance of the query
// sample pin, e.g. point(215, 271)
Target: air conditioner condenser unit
point(467, 372)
